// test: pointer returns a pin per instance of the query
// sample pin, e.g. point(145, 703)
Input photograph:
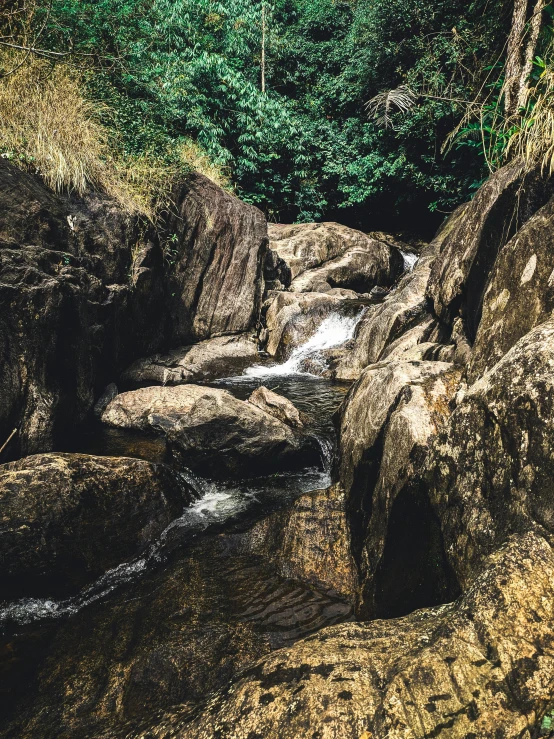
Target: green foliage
point(485, 128)
point(177, 69)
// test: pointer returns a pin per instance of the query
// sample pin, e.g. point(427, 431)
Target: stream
point(200, 546)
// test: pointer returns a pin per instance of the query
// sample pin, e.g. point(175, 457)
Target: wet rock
point(480, 667)
point(217, 249)
point(308, 542)
point(491, 470)
point(291, 318)
point(277, 406)
point(520, 294)
point(360, 268)
point(459, 275)
point(213, 432)
point(67, 518)
point(387, 423)
point(207, 360)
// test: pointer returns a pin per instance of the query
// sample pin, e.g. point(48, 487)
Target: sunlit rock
point(212, 432)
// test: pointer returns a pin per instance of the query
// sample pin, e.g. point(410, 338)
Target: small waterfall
point(410, 260)
point(333, 332)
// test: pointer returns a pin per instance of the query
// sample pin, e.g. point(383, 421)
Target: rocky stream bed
point(275, 481)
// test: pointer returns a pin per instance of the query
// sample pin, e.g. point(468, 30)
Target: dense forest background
point(176, 83)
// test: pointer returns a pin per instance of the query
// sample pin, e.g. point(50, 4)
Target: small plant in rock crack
point(547, 725)
point(170, 250)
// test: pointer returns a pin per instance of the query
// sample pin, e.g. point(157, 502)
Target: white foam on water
point(334, 331)
point(410, 260)
point(211, 504)
point(214, 505)
point(27, 610)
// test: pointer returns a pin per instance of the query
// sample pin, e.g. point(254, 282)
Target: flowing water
point(410, 260)
point(334, 331)
point(222, 506)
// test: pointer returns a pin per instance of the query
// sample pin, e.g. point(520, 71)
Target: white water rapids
point(410, 260)
point(334, 331)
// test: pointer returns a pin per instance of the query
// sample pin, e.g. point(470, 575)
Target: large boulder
point(491, 470)
point(360, 268)
point(480, 667)
point(305, 246)
point(221, 356)
point(213, 432)
point(387, 423)
point(520, 294)
point(459, 275)
point(308, 542)
point(277, 406)
point(67, 518)
point(325, 256)
point(217, 251)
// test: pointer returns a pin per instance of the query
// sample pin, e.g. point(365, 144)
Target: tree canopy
point(308, 147)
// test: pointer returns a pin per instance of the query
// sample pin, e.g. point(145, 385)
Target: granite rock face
point(520, 293)
point(490, 471)
point(67, 518)
point(69, 323)
point(500, 207)
point(212, 432)
point(216, 280)
point(96, 282)
point(387, 423)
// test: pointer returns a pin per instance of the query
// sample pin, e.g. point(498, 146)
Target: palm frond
point(384, 104)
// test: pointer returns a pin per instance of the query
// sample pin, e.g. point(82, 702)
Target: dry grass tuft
point(194, 157)
point(48, 126)
point(533, 139)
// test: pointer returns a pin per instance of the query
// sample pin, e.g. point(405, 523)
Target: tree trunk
point(263, 47)
point(526, 25)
